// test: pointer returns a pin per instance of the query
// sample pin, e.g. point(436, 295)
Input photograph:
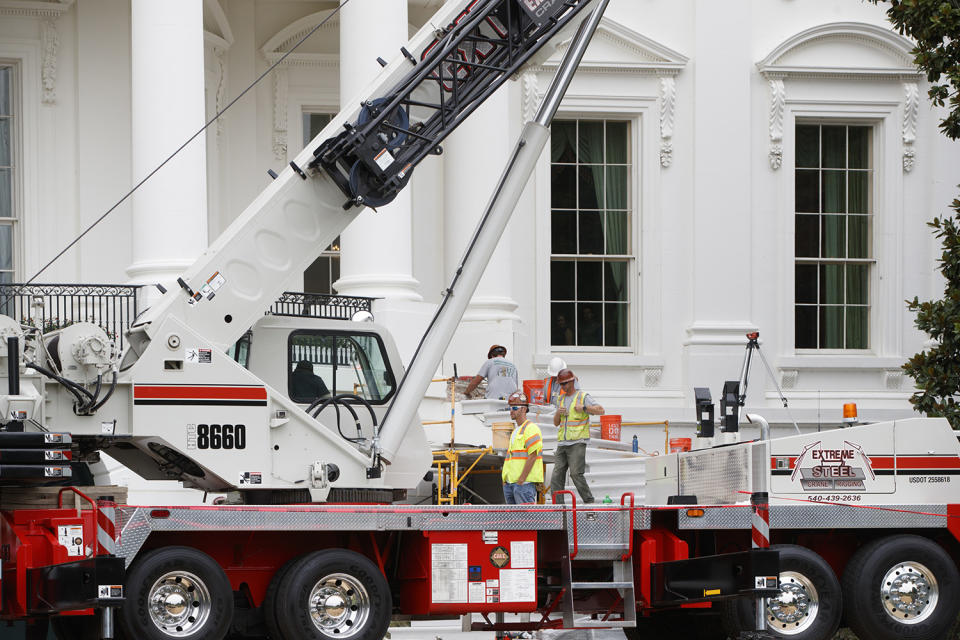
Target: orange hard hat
point(565, 375)
point(517, 398)
point(492, 352)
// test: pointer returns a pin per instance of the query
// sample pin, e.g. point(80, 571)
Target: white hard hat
point(556, 363)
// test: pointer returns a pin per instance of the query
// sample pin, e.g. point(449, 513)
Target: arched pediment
point(322, 47)
point(846, 49)
point(216, 26)
point(616, 48)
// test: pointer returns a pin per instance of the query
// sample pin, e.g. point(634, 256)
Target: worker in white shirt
point(501, 375)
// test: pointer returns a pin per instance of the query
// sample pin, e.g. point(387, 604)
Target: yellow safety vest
point(525, 443)
point(576, 424)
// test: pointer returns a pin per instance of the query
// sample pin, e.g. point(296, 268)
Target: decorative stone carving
point(778, 100)
point(48, 71)
point(911, 108)
point(280, 113)
point(893, 379)
point(221, 92)
point(35, 9)
point(652, 377)
point(789, 378)
point(668, 106)
point(530, 97)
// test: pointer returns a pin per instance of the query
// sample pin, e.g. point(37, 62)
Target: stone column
point(473, 160)
point(169, 225)
point(376, 258)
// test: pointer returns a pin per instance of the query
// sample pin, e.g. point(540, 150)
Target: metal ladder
point(610, 534)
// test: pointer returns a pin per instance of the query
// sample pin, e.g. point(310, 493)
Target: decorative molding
point(48, 69)
point(893, 379)
point(862, 34)
point(218, 47)
point(35, 8)
point(778, 100)
point(652, 376)
point(719, 333)
point(293, 32)
point(528, 85)
point(911, 108)
point(668, 107)
point(789, 378)
point(280, 113)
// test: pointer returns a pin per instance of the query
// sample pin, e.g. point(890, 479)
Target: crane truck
point(313, 542)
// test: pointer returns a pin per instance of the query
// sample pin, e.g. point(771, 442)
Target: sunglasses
point(523, 406)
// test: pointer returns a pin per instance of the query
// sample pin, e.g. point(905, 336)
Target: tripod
point(754, 345)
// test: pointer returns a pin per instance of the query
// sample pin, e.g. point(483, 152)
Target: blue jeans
point(525, 493)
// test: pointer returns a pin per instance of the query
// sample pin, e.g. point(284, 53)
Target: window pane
point(589, 327)
point(833, 233)
point(617, 185)
point(615, 325)
point(563, 138)
point(591, 232)
point(857, 284)
point(316, 279)
point(563, 187)
point(831, 284)
point(805, 327)
point(6, 247)
point(834, 146)
point(313, 124)
point(834, 191)
point(831, 327)
point(857, 328)
point(591, 187)
point(808, 191)
point(859, 182)
point(589, 281)
point(561, 280)
point(808, 236)
point(808, 145)
point(6, 194)
point(5, 82)
point(6, 145)
point(561, 323)
point(859, 147)
point(617, 142)
point(563, 232)
point(858, 228)
point(615, 281)
point(617, 231)
point(590, 142)
point(805, 283)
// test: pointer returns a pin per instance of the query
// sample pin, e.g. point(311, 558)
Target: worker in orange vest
point(523, 468)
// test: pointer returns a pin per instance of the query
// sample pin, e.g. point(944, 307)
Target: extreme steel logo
point(829, 469)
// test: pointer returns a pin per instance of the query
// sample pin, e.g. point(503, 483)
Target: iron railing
point(53, 306)
point(113, 307)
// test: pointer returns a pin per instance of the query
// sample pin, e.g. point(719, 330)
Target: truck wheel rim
point(796, 607)
point(339, 605)
point(179, 603)
point(909, 592)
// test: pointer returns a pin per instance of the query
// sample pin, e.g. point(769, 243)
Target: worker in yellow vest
point(572, 419)
point(523, 468)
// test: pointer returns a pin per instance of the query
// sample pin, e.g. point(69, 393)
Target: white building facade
point(715, 169)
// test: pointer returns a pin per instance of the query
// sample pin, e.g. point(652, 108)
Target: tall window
point(8, 211)
point(590, 225)
point(834, 236)
point(325, 270)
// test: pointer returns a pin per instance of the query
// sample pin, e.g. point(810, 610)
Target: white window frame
point(642, 114)
point(885, 289)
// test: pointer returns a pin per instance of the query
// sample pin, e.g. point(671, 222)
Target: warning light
point(850, 413)
point(695, 513)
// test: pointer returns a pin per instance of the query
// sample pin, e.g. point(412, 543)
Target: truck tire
point(176, 592)
point(270, 600)
point(334, 593)
point(808, 607)
point(901, 586)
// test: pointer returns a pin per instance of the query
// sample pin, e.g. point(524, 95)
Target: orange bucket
point(534, 391)
point(610, 427)
point(680, 444)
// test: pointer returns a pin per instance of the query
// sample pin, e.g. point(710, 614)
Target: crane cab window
point(325, 363)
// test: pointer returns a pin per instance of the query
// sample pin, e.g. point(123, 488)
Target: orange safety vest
point(576, 424)
point(525, 443)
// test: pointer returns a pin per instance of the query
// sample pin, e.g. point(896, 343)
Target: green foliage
point(934, 25)
point(936, 370)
